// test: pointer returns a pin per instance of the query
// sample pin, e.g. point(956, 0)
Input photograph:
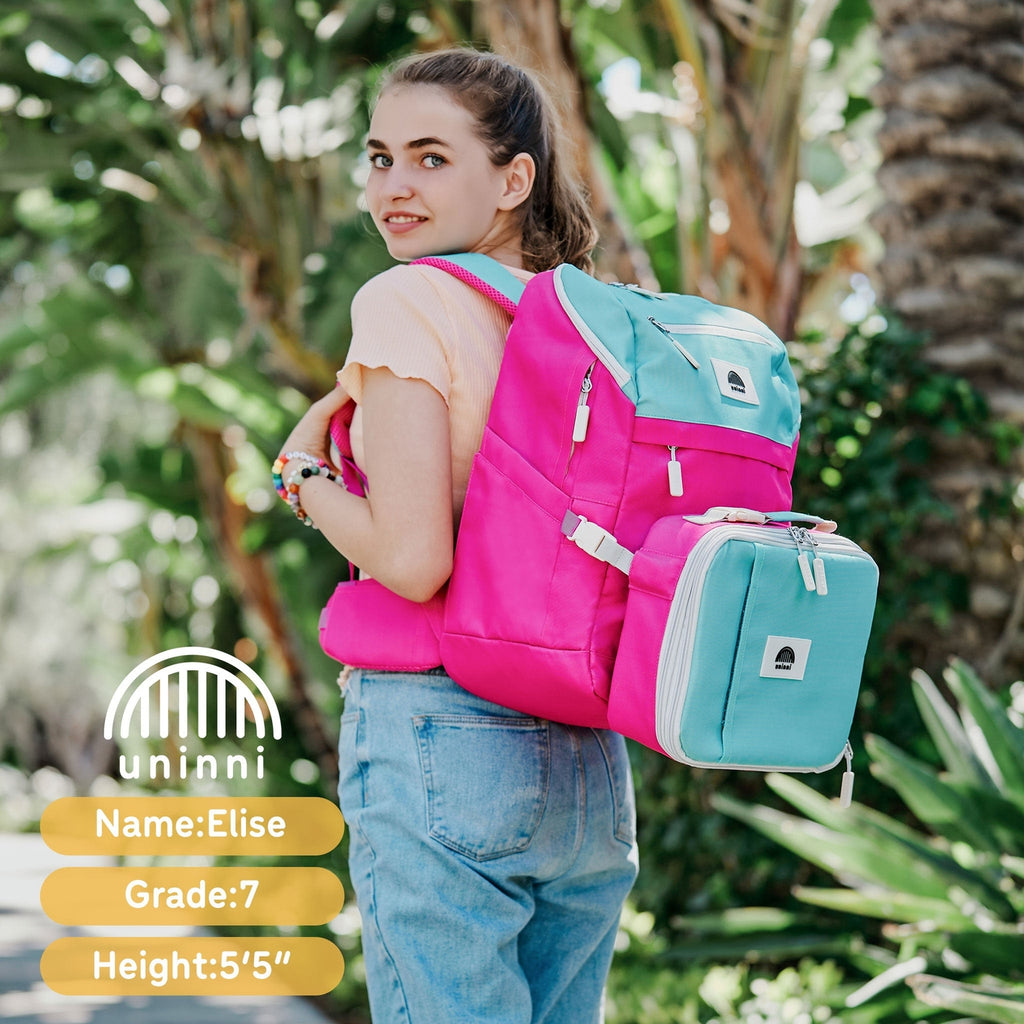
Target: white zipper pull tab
point(803, 560)
point(818, 564)
point(679, 347)
point(582, 421)
point(675, 473)
point(846, 791)
point(820, 583)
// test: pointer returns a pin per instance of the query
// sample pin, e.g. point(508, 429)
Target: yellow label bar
point(182, 826)
point(192, 896)
point(192, 966)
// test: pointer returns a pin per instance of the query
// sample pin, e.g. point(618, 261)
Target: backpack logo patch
point(785, 657)
point(735, 381)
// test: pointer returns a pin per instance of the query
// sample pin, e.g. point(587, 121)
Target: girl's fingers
point(334, 400)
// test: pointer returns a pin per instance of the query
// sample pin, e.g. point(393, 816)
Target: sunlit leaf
point(949, 812)
point(887, 905)
point(948, 733)
point(1003, 741)
point(981, 1003)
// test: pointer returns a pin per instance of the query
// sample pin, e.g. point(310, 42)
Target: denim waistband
point(438, 670)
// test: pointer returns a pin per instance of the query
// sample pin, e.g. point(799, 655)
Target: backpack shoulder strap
point(484, 274)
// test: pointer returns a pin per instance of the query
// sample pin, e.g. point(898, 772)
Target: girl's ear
point(520, 173)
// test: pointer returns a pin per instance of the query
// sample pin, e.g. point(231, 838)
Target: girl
point(490, 852)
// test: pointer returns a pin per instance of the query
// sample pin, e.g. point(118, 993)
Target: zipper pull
point(803, 559)
point(638, 289)
point(805, 570)
point(582, 421)
point(818, 564)
point(675, 473)
point(679, 348)
point(820, 583)
point(846, 791)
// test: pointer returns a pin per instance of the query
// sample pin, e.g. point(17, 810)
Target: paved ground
point(25, 932)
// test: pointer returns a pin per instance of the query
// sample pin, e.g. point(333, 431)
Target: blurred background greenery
point(181, 233)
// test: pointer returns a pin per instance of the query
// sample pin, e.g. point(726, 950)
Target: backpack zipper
point(676, 344)
point(620, 374)
point(715, 329)
point(638, 289)
point(675, 473)
point(581, 421)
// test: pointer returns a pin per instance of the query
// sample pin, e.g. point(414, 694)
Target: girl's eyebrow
point(425, 143)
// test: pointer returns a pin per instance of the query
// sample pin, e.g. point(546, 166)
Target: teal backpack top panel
point(680, 357)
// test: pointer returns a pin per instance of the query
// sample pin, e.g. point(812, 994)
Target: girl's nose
point(399, 187)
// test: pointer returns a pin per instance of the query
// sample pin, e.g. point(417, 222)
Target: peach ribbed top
point(420, 322)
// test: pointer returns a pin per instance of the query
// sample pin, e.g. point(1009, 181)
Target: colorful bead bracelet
point(288, 487)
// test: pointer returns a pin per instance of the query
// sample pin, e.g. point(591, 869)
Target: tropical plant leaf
point(950, 812)
point(739, 921)
point(947, 731)
point(1002, 1006)
point(1004, 815)
point(885, 904)
point(861, 826)
point(991, 952)
point(855, 859)
point(757, 946)
point(1003, 740)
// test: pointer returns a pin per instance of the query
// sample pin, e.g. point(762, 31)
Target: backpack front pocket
point(520, 612)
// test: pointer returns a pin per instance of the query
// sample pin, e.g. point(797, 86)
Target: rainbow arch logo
point(186, 684)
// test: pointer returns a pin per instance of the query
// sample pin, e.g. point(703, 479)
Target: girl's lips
point(400, 223)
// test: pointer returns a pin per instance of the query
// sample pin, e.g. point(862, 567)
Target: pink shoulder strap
point(483, 274)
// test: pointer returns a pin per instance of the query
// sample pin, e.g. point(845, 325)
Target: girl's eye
point(433, 160)
point(380, 160)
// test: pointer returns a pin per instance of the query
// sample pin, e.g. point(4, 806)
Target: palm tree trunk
point(953, 178)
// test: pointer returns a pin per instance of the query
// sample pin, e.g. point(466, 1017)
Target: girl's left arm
point(402, 532)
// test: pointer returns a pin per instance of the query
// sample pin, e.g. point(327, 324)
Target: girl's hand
point(311, 434)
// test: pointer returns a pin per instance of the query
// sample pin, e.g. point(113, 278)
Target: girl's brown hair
point(514, 115)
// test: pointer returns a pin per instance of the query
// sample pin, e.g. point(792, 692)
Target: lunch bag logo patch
point(785, 657)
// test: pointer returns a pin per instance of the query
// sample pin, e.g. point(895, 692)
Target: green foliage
point(646, 990)
point(954, 894)
point(739, 966)
point(848, 20)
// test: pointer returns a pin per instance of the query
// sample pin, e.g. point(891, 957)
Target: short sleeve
point(398, 322)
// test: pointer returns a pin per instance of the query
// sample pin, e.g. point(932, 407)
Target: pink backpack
point(614, 407)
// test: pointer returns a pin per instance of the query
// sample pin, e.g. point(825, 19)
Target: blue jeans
point(490, 854)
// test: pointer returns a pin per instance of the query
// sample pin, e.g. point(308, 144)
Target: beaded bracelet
point(288, 488)
point(305, 472)
point(277, 470)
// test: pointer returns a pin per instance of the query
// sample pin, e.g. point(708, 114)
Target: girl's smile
point(400, 223)
point(432, 186)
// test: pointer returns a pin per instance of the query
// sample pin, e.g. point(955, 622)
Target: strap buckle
point(596, 541)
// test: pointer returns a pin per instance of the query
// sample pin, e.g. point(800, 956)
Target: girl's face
point(432, 188)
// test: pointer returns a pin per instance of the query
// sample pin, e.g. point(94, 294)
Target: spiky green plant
point(953, 895)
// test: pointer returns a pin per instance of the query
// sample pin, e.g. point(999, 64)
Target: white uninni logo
point(187, 683)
